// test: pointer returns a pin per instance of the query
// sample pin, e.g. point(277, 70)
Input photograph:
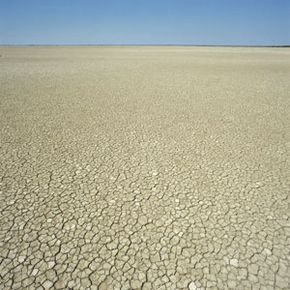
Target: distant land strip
point(193, 45)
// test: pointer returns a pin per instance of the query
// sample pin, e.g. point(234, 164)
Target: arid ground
point(145, 168)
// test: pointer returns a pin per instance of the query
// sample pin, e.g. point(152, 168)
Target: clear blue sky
point(237, 22)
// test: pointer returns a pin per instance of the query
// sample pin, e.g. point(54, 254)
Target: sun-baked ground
point(144, 168)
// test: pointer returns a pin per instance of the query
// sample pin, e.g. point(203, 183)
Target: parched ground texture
point(144, 168)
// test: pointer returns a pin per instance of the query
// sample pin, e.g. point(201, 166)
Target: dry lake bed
point(144, 168)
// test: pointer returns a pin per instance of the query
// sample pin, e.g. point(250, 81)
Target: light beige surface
point(144, 167)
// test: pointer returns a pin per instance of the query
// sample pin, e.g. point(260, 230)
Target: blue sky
point(212, 22)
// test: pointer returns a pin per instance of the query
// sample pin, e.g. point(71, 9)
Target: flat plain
point(144, 168)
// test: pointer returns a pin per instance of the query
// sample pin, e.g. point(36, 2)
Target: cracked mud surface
point(144, 168)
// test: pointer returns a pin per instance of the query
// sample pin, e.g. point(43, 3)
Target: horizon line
point(194, 45)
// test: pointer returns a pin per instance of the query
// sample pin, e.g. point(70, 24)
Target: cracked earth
point(144, 168)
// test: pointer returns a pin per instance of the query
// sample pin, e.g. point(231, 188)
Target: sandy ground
point(145, 168)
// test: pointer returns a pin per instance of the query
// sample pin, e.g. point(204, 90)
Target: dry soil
point(144, 168)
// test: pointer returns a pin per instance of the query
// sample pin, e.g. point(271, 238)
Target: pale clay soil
point(144, 168)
